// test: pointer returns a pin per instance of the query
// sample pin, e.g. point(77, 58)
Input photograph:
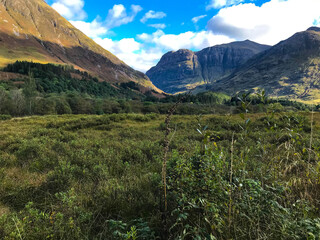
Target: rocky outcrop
point(184, 69)
point(176, 70)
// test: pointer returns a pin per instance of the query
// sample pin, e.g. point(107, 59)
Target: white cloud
point(118, 15)
point(136, 8)
point(153, 15)
point(222, 3)
point(189, 40)
point(158, 26)
point(274, 21)
point(149, 37)
point(117, 11)
point(91, 29)
point(125, 45)
point(132, 52)
point(198, 18)
point(70, 9)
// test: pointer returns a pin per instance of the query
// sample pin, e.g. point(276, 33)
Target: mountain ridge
point(289, 69)
point(184, 69)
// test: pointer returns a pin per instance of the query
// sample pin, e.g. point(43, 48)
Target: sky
point(139, 32)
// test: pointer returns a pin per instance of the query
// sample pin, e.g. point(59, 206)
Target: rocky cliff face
point(31, 30)
point(290, 69)
point(175, 71)
point(182, 70)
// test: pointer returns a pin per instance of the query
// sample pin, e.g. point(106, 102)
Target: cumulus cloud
point(70, 9)
point(92, 29)
point(222, 3)
point(125, 45)
point(153, 15)
point(132, 52)
point(270, 23)
point(158, 26)
point(117, 16)
point(189, 40)
point(198, 18)
point(149, 37)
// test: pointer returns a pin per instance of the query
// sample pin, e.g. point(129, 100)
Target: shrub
point(5, 117)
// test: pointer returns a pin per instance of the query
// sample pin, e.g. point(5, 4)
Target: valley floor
point(250, 176)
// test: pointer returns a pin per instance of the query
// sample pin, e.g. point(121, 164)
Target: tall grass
point(100, 177)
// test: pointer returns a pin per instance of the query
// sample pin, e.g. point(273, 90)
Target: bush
point(5, 117)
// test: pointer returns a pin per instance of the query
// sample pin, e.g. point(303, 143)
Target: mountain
point(183, 69)
point(290, 69)
point(30, 30)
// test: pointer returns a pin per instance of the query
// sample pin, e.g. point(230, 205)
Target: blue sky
point(139, 32)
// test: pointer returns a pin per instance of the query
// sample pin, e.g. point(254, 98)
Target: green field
point(99, 177)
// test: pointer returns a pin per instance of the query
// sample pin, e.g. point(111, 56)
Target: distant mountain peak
point(178, 71)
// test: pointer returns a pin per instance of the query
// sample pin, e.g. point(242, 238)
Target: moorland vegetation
point(239, 176)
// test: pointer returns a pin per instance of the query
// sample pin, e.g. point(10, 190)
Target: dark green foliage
point(200, 197)
point(29, 91)
point(57, 79)
point(5, 117)
point(256, 100)
point(130, 85)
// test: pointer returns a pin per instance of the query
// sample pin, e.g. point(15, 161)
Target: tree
point(3, 100)
point(18, 102)
point(30, 92)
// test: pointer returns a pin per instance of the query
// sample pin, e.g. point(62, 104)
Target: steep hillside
point(31, 30)
point(184, 69)
point(290, 69)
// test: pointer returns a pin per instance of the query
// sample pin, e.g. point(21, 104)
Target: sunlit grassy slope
point(32, 31)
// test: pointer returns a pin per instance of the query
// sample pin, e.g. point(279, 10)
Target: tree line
point(56, 89)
